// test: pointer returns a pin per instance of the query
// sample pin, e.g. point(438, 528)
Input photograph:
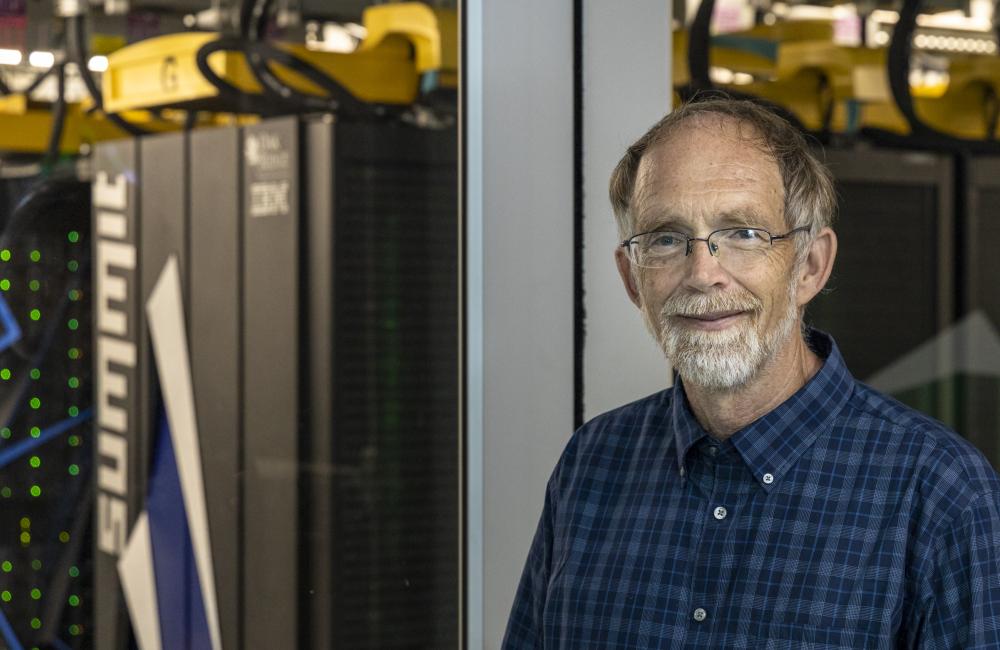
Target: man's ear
point(818, 265)
point(628, 278)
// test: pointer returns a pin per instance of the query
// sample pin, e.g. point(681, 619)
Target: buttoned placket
point(720, 476)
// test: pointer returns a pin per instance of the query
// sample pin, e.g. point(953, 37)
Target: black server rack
point(45, 385)
point(322, 312)
point(892, 287)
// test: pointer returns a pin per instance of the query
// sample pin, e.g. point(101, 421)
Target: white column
point(518, 149)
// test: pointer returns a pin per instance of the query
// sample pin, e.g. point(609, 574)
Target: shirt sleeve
point(524, 628)
point(962, 606)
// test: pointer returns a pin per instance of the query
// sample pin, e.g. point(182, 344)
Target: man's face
point(717, 327)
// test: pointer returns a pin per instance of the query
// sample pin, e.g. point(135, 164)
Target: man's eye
point(666, 240)
point(745, 234)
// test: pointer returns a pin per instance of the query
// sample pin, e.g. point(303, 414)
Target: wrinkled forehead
point(710, 164)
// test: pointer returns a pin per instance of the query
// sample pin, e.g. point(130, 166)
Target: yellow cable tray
point(403, 42)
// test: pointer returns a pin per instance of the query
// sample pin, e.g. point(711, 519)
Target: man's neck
point(723, 413)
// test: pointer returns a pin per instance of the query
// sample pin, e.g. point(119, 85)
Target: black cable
point(76, 45)
point(699, 45)
point(246, 18)
point(339, 99)
point(260, 55)
point(898, 62)
point(58, 118)
point(33, 86)
point(228, 92)
point(260, 15)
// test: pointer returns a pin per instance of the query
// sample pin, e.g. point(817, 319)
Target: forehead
point(708, 172)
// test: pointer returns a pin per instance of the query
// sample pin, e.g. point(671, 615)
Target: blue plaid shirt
point(841, 519)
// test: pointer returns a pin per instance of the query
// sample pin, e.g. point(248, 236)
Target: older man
point(767, 499)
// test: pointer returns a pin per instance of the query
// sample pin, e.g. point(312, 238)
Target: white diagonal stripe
point(165, 310)
point(135, 570)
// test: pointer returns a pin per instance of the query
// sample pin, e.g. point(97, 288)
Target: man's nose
point(703, 269)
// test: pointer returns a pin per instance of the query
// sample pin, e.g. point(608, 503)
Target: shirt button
point(768, 478)
point(720, 513)
point(712, 451)
point(681, 472)
point(700, 615)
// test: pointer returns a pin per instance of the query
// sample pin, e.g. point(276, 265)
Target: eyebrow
point(726, 219)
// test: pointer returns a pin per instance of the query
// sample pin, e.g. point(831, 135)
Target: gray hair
point(809, 197)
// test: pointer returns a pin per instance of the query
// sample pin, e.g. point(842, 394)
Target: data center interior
point(300, 299)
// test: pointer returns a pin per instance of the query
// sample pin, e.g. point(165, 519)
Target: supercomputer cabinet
point(311, 268)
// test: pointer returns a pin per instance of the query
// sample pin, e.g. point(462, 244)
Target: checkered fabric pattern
point(841, 519)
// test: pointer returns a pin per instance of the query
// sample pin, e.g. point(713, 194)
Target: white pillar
point(518, 175)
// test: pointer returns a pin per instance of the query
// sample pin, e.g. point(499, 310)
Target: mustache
point(692, 304)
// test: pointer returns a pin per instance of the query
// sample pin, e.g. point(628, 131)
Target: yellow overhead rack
point(25, 127)
point(753, 51)
point(404, 42)
point(818, 80)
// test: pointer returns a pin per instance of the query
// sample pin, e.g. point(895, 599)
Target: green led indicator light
point(5, 255)
point(5, 284)
point(74, 469)
point(36, 462)
point(35, 255)
point(74, 382)
point(64, 537)
point(35, 432)
point(36, 565)
point(36, 594)
point(72, 265)
point(7, 566)
point(73, 324)
point(35, 403)
point(74, 629)
point(73, 236)
point(25, 522)
point(35, 314)
point(74, 441)
point(74, 600)
point(25, 537)
point(5, 433)
point(5, 374)
point(74, 353)
point(35, 373)
point(36, 624)
point(74, 572)
point(74, 294)
point(35, 491)
point(5, 595)
point(34, 285)
point(5, 492)
point(73, 411)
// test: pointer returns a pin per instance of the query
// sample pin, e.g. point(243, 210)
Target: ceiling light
point(98, 63)
point(41, 59)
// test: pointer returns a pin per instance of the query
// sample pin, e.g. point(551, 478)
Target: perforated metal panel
point(891, 287)
point(395, 399)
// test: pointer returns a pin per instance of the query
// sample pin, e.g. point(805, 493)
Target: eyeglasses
point(736, 248)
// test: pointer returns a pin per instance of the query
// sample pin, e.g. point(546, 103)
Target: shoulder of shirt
point(946, 464)
point(612, 432)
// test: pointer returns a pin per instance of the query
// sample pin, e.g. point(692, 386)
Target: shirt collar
point(771, 445)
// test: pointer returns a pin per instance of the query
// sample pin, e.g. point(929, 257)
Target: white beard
point(726, 359)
